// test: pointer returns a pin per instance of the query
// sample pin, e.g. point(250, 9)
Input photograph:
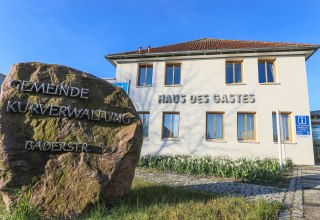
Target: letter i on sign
point(302, 120)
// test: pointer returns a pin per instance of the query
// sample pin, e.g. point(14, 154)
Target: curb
point(294, 198)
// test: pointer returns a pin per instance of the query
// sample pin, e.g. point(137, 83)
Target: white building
point(218, 97)
point(2, 77)
point(315, 121)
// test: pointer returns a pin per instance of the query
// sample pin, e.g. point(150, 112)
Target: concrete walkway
point(311, 191)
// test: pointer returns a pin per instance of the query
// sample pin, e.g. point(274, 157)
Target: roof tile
point(214, 44)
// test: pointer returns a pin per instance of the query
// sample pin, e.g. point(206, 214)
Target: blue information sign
point(123, 85)
point(302, 125)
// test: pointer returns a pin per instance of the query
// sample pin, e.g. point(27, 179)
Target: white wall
point(207, 76)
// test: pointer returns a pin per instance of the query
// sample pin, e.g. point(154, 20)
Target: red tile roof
point(212, 44)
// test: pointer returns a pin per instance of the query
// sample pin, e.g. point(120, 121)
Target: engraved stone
point(73, 138)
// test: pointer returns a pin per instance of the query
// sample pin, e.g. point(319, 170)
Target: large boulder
point(74, 139)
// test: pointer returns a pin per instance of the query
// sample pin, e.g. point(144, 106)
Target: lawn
point(153, 201)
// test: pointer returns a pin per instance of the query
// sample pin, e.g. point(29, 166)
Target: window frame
point(223, 127)
point(265, 61)
point(139, 74)
point(142, 121)
point(234, 72)
point(254, 124)
point(166, 71)
point(162, 130)
point(289, 125)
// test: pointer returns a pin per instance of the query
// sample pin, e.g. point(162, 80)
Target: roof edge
point(315, 50)
point(111, 57)
point(111, 61)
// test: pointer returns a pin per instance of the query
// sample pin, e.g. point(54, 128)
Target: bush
point(265, 170)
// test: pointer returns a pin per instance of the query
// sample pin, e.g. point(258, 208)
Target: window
point(145, 75)
point(170, 128)
point(145, 117)
point(233, 72)
point(173, 74)
point(214, 126)
point(285, 126)
point(246, 126)
point(266, 71)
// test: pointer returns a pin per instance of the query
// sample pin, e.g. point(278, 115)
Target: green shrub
point(23, 210)
point(266, 170)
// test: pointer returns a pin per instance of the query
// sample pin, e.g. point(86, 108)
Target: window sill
point(170, 139)
point(249, 142)
point(173, 85)
point(146, 139)
point(144, 86)
point(217, 141)
point(236, 84)
point(270, 84)
point(286, 143)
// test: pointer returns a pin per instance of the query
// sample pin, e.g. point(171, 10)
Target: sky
point(79, 33)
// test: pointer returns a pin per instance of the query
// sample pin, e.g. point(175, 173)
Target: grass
point(154, 201)
point(157, 201)
point(265, 170)
point(22, 210)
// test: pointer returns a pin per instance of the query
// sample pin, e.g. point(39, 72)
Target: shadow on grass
point(153, 201)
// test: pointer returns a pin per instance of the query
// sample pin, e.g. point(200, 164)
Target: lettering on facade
point(205, 98)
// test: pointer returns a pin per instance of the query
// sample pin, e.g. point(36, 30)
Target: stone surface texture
point(65, 184)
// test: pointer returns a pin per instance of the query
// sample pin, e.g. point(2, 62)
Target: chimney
point(149, 49)
point(140, 48)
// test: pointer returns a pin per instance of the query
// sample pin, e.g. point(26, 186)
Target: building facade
point(2, 77)
point(315, 121)
point(220, 97)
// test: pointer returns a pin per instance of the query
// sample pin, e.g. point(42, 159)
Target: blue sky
point(79, 33)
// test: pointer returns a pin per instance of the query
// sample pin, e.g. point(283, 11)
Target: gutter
point(111, 61)
point(315, 50)
point(112, 57)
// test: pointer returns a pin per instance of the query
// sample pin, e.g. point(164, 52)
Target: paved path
point(302, 197)
point(311, 191)
point(292, 196)
point(213, 186)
